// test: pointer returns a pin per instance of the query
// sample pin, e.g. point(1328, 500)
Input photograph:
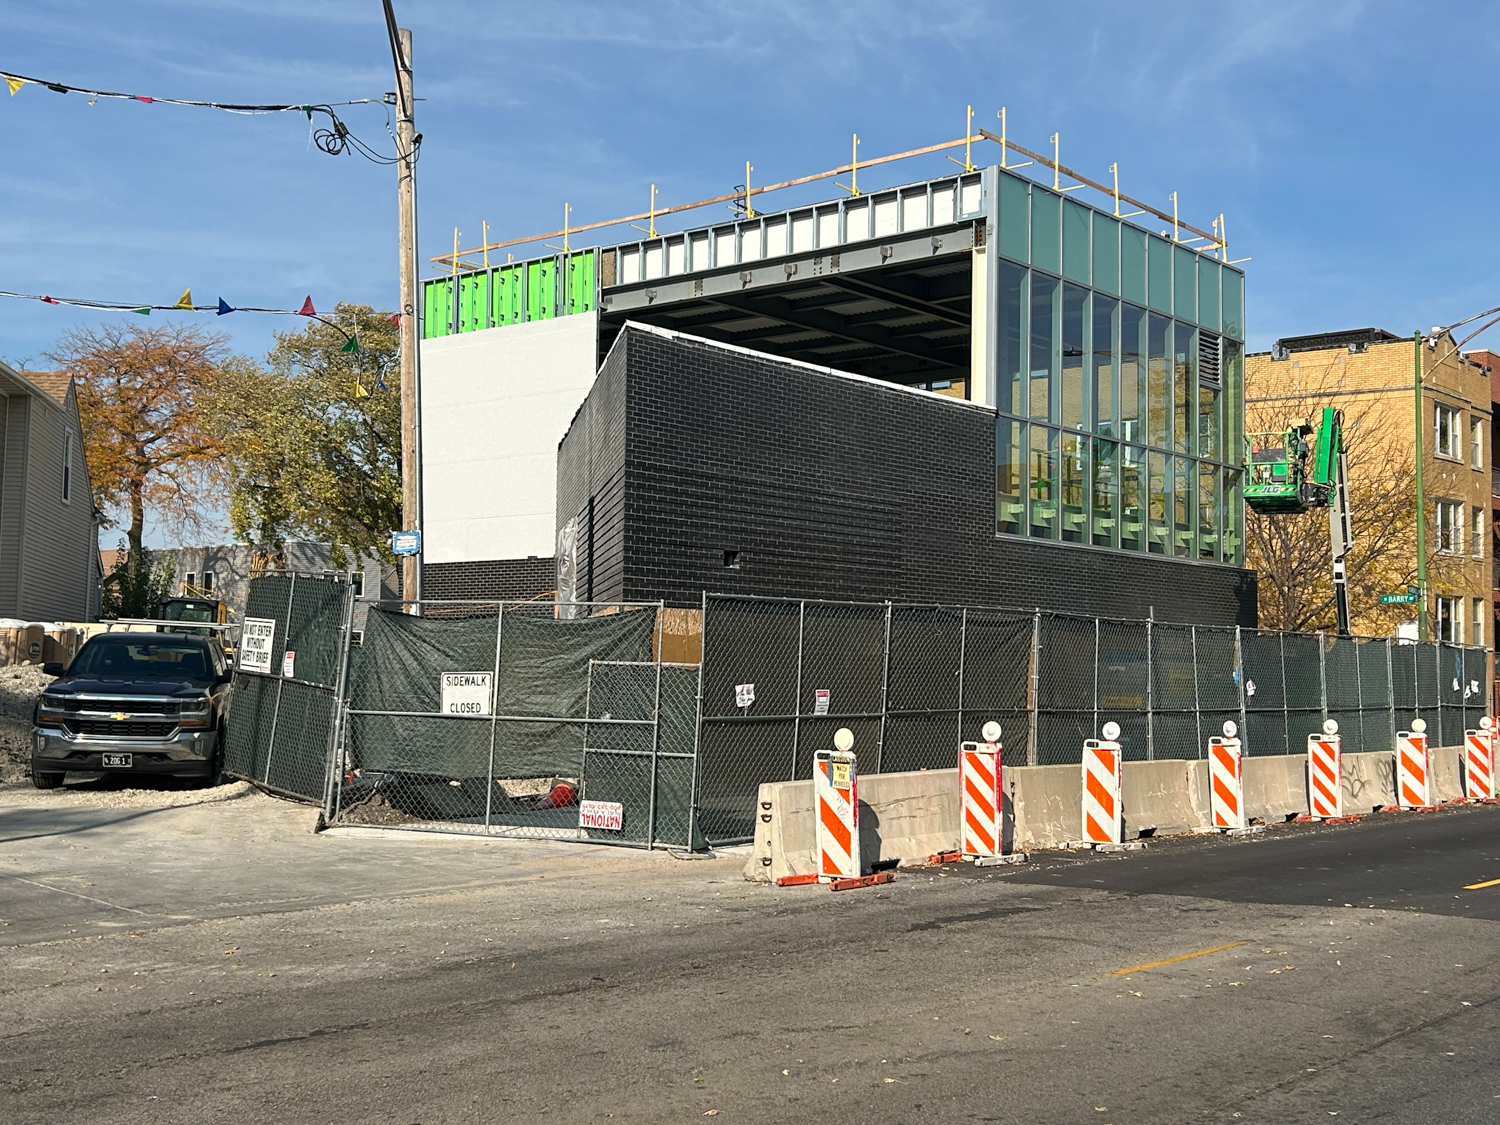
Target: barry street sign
point(1398, 599)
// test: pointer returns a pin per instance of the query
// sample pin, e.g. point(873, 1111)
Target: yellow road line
point(1477, 886)
point(1181, 957)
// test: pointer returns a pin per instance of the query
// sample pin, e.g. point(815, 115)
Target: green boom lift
point(1297, 470)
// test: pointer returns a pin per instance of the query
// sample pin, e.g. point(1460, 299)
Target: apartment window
point(1476, 442)
point(67, 491)
point(208, 582)
point(1476, 533)
point(1445, 431)
point(1450, 527)
point(1450, 620)
point(1476, 635)
point(189, 581)
point(357, 581)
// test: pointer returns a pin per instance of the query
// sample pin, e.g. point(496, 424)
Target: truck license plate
point(117, 761)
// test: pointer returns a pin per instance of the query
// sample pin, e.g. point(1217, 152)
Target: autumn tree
point(140, 394)
point(1292, 553)
point(312, 442)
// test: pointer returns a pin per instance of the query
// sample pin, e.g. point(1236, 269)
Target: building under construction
point(975, 388)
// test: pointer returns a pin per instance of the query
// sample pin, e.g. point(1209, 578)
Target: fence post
point(791, 773)
point(1390, 691)
point(286, 635)
point(885, 683)
point(655, 730)
point(1150, 689)
point(335, 730)
point(489, 788)
point(1197, 705)
point(963, 643)
point(1323, 673)
point(698, 725)
point(1033, 692)
point(1239, 667)
point(1095, 729)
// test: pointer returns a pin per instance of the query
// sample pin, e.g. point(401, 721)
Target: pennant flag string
point(16, 81)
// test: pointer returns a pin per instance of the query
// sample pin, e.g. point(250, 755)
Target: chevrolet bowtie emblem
point(120, 716)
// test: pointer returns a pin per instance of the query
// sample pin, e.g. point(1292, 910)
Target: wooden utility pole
point(411, 422)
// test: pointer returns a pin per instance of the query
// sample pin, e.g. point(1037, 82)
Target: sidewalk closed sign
point(466, 693)
point(608, 815)
point(256, 634)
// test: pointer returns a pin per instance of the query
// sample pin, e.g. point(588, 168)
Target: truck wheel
point(46, 780)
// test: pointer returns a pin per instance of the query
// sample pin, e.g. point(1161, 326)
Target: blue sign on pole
point(406, 542)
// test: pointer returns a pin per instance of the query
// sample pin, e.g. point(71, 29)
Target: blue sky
point(1343, 141)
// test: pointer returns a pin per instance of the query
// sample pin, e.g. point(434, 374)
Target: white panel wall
point(494, 406)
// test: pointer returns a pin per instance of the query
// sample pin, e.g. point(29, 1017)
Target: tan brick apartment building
point(1369, 374)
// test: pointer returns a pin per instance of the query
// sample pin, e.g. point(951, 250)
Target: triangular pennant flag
point(359, 390)
point(352, 345)
point(307, 308)
point(186, 300)
point(50, 301)
point(143, 311)
point(380, 383)
point(56, 88)
point(148, 101)
point(15, 84)
point(394, 318)
point(224, 307)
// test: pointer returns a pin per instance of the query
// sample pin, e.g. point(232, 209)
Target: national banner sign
point(256, 635)
point(606, 815)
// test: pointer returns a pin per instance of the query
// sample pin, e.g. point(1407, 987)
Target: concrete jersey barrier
point(908, 817)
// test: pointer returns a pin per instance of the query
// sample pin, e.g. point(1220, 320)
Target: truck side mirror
point(52, 668)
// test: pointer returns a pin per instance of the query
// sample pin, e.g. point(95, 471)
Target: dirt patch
point(20, 684)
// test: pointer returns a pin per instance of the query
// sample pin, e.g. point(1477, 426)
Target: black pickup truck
point(142, 703)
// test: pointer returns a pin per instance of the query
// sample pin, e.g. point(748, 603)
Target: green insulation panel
point(514, 293)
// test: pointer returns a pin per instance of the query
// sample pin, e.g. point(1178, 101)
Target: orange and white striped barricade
point(836, 794)
point(1479, 761)
point(1413, 790)
point(1325, 782)
point(1226, 782)
point(982, 801)
point(1102, 773)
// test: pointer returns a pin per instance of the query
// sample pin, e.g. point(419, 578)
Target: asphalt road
point(218, 964)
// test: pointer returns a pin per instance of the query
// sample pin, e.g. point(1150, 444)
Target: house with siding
point(49, 526)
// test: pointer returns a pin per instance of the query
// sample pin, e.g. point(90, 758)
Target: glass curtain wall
point(1120, 370)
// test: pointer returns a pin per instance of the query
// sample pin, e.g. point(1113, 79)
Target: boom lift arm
point(1281, 481)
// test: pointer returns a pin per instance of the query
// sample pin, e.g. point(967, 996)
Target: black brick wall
point(835, 487)
point(510, 579)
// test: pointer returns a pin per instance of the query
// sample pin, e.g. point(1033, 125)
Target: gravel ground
point(20, 684)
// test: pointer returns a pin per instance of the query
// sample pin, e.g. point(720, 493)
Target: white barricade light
point(1485, 722)
point(1231, 728)
point(1412, 773)
point(991, 731)
point(1331, 726)
point(1110, 731)
point(843, 739)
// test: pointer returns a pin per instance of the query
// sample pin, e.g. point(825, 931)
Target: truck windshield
point(139, 658)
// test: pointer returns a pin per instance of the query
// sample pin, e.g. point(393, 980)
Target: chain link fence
point(912, 682)
point(504, 718)
point(283, 702)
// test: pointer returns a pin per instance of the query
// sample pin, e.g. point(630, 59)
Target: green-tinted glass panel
point(1073, 485)
point(1015, 217)
point(1208, 293)
point(1233, 366)
point(1106, 253)
point(1042, 458)
point(1132, 373)
point(1043, 360)
point(1102, 365)
point(1182, 507)
point(1133, 264)
point(1071, 396)
point(1104, 517)
point(1044, 229)
point(1184, 383)
point(1233, 315)
point(1185, 283)
point(1010, 478)
point(1158, 382)
point(1233, 519)
point(1132, 498)
point(1159, 274)
point(1208, 423)
point(1076, 250)
point(1208, 511)
point(1012, 330)
point(1158, 502)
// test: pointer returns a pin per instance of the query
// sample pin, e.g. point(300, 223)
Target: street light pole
point(1416, 343)
point(406, 203)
